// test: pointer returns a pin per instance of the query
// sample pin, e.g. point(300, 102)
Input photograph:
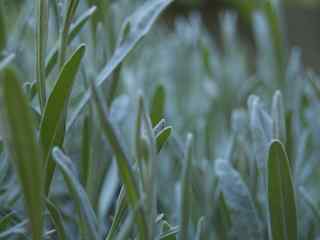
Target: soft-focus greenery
point(112, 128)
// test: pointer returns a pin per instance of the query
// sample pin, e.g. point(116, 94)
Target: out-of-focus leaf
point(3, 33)
point(281, 195)
point(310, 202)
point(14, 231)
point(4, 62)
point(84, 208)
point(272, 11)
point(199, 228)
point(162, 137)
point(134, 29)
point(261, 130)
point(26, 154)
point(278, 117)
point(243, 214)
point(52, 127)
point(170, 235)
point(185, 205)
point(158, 105)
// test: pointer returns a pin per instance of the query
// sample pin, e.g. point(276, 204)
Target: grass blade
point(25, 152)
point(123, 162)
point(134, 29)
point(281, 195)
point(84, 208)
point(41, 46)
point(52, 128)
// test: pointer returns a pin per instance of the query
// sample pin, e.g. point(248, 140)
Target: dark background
point(301, 19)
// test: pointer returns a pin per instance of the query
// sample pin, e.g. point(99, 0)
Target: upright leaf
point(281, 195)
point(186, 191)
point(20, 138)
point(158, 105)
point(3, 37)
point(122, 158)
point(52, 128)
point(278, 117)
point(42, 9)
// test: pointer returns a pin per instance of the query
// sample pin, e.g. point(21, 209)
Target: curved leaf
point(52, 128)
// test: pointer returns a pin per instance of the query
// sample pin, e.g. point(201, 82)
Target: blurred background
point(301, 18)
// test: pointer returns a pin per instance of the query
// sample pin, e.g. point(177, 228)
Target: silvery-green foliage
point(133, 97)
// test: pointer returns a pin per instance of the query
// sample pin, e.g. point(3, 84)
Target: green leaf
point(185, 206)
point(85, 164)
point(281, 195)
point(272, 11)
point(278, 117)
point(162, 137)
point(243, 214)
point(75, 28)
point(122, 158)
point(20, 137)
point(42, 9)
point(52, 128)
point(57, 220)
point(121, 207)
point(63, 39)
point(140, 24)
point(87, 216)
point(3, 34)
point(158, 105)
